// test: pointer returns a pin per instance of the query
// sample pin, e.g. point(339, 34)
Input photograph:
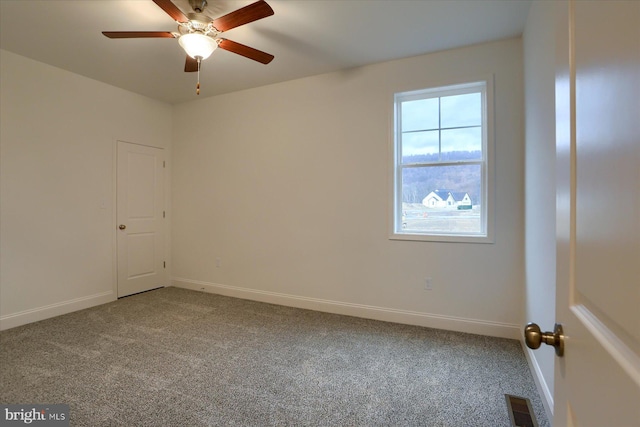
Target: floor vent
point(520, 412)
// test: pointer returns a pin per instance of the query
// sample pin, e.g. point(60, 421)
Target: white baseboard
point(472, 326)
point(541, 383)
point(33, 315)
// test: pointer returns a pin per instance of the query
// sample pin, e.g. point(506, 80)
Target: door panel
point(140, 212)
point(141, 173)
point(141, 254)
point(607, 136)
point(597, 383)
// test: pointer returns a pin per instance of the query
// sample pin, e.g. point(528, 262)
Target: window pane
point(461, 110)
point(421, 114)
point(442, 200)
point(420, 146)
point(462, 144)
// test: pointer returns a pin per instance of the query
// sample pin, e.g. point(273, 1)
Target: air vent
point(520, 412)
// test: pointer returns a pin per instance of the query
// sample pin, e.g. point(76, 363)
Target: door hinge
point(164, 264)
point(164, 164)
point(163, 214)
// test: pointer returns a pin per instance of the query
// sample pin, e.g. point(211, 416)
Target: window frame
point(486, 163)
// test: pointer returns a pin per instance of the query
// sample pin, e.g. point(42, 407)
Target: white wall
point(288, 186)
point(57, 147)
point(540, 184)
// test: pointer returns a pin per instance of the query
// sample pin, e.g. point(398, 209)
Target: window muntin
point(441, 154)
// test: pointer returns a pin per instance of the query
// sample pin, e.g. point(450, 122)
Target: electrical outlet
point(218, 262)
point(428, 284)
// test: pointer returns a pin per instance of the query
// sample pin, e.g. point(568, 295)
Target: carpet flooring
point(175, 357)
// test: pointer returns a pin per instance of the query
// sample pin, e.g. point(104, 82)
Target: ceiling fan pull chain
point(198, 85)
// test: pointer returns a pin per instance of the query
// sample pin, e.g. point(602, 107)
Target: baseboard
point(541, 384)
point(472, 326)
point(33, 315)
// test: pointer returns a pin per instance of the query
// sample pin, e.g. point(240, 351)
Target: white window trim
point(395, 205)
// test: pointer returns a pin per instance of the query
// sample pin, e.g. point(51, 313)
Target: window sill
point(444, 238)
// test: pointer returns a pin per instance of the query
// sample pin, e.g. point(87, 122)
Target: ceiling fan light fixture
point(198, 45)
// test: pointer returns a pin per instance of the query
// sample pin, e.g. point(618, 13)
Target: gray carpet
point(173, 357)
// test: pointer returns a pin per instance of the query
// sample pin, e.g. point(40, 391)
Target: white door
point(140, 204)
point(597, 382)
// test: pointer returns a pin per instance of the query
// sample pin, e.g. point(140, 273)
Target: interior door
point(140, 215)
point(597, 382)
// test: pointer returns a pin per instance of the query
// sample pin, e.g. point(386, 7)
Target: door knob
point(122, 227)
point(534, 337)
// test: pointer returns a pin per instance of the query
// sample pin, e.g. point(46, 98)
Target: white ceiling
point(307, 37)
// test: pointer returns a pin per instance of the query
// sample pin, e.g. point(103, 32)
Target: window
point(442, 172)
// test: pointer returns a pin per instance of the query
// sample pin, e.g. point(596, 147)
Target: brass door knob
point(122, 227)
point(534, 337)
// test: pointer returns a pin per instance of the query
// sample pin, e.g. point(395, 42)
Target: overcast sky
point(420, 120)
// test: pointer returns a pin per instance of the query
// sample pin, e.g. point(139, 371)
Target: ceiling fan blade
point(190, 65)
point(137, 34)
point(246, 51)
point(171, 10)
point(250, 13)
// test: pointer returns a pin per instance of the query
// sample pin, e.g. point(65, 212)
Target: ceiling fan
point(198, 34)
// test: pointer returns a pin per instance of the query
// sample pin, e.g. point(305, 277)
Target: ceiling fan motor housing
point(198, 22)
